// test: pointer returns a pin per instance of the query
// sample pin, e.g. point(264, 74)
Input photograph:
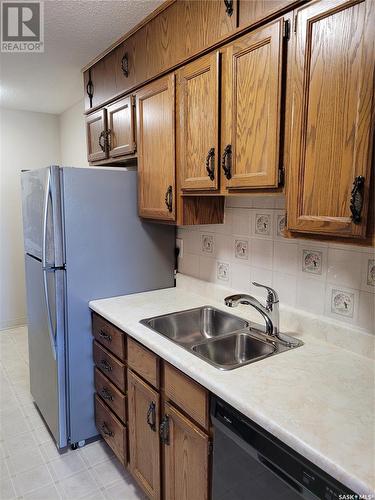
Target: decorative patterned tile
point(241, 249)
point(342, 303)
point(262, 224)
point(370, 278)
point(222, 271)
point(280, 224)
point(312, 261)
point(207, 243)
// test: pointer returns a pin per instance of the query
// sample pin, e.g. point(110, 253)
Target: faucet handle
point(272, 297)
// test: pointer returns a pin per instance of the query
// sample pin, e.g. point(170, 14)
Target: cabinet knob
point(125, 65)
point(164, 430)
point(105, 430)
point(105, 365)
point(228, 7)
point(226, 161)
point(356, 199)
point(210, 164)
point(105, 394)
point(104, 335)
point(151, 416)
point(169, 198)
point(102, 141)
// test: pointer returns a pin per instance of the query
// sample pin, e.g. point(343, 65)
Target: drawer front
point(109, 336)
point(187, 394)
point(114, 398)
point(111, 429)
point(143, 362)
point(110, 366)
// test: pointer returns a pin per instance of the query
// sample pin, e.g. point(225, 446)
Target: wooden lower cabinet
point(144, 457)
point(112, 430)
point(186, 458)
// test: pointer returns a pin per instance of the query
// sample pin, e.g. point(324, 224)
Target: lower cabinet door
point(186, 454)
point(144, 445)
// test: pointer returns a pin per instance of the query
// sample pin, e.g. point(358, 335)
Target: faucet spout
point(235, 300)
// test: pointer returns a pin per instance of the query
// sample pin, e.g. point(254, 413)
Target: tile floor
point(31, 467)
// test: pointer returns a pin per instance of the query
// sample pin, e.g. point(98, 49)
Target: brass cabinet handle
point(356, 199)
point(169, 198)
point(210, 164)
point(105, 336)
point(105, 430)
point(164, 430)
point(226, 161)
point(105, 365)
point(151, 416)
point(228, 7)
point(125, 65)
point(102, 141)
point(105, 394)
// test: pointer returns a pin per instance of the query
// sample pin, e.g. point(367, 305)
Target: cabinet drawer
point(187, 394)
point(112, 430)
point(115, 399)
point(108, 335)
point(143, 362)
point(109, 365)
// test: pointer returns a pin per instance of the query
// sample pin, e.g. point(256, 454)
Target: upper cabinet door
point(251, 102)
point(96, 126)
point(156, 149)
point(120, 116)
point(198, 123)
point(332, 86)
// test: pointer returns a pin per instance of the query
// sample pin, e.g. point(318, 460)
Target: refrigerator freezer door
point(41, 209)
point(46, 347)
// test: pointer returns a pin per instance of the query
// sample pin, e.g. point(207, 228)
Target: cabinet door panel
point(332, 85)
point(252, 74)
point(185, 459)
point(96, 125)
point(198, 92)
point(156, 149)
point(251, 11)
point(120, 117)
point(144, 462)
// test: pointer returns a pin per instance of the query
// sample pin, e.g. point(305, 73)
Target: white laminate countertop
point(318, 399)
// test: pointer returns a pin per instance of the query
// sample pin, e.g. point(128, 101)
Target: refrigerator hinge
point(286, 29)
point(281, 176)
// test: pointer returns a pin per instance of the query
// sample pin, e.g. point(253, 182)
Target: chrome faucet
point(270, 311)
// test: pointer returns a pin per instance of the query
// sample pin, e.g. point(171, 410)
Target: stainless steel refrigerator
point(83, 240)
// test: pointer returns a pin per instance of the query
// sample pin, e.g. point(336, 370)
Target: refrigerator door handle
point(49, 314)
point(45, 219)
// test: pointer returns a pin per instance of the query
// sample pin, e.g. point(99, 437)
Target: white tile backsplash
point(323, 278)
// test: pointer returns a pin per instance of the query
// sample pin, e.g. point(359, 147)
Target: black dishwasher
point(251, 464)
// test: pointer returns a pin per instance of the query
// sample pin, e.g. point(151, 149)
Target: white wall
point(28, 140)
point(72, 136)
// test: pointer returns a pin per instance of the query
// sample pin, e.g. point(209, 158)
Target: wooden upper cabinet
point(143, 424)
point(96, 126)
point(198, 123)
point(251, 11)
point(186, 468)
point(333, 108)
point(156, 149)
point(251, 106)
point(121, 131)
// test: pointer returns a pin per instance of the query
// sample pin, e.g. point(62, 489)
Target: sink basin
point(195, 325)
point(221, 339)
point(234, 350)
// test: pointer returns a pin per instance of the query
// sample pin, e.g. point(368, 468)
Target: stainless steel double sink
point(223, 340)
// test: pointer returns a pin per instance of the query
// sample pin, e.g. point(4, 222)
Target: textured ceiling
point(75, 31)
